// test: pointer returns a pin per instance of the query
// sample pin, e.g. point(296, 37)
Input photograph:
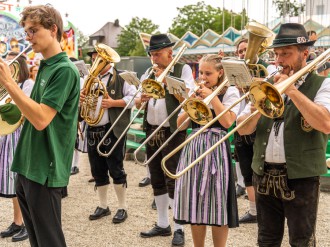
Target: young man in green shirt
point(44, 153)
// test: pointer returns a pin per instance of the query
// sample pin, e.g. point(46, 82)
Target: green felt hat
point(10, 118)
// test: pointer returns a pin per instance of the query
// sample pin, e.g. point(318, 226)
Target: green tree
point(129, 42)
point(289, 8)
point(200, 17)
point(82, 45)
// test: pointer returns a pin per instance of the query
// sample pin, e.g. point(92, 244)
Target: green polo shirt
point(46, 156)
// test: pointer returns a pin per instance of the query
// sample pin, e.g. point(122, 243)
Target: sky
point(90, 16)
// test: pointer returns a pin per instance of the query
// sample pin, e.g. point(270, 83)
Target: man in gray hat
point(156, 112)
point(289, 152)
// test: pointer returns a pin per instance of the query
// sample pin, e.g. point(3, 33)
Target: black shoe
point(248, 218)
point(145, 182)
point(120, 216)
point(157, 231)
point(21, 235)
point(178, 238)
point(74, 170)
point(240, 191)
point(11, 230)
point(153, 205)
point(99, 213)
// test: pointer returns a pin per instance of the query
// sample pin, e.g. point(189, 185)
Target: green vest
point(305, 147)
point(115, 91)
point(171, 102)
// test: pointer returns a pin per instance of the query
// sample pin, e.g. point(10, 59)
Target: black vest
point(115, 90)
point(171, 102)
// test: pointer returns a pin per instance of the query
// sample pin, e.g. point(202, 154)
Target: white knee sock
point(75, 159)
point(162, 210)
point(148, 172)
point(240, 179)
point(102, 192)
point(120, 190)
point(176, 226)
point(253, 208)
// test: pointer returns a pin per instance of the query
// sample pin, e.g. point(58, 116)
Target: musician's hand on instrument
point(5, 73)
point(204, 91)
point(145, 98)
point(107, 102)
point(82, 96)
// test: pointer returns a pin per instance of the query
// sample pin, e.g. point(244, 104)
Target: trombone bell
point(266, 99)
point(198, 111)
point(153, 89)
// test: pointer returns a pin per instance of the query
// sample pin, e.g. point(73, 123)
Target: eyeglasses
point(29, 33)
point(14, 46)
point(241, 51)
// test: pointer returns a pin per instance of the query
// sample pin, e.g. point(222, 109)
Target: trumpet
point(152, 88)
point(261, 92)
point(107, 154)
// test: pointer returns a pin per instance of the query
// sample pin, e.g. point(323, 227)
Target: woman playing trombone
point(205, 195)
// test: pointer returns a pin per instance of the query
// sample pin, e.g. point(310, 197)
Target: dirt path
point(82, 200)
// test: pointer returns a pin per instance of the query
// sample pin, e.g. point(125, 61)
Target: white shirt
point(128, 92)
point(275, 152)
point(157, 111)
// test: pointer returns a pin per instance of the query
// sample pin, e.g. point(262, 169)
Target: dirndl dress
point(205, 195)
point(8, 145)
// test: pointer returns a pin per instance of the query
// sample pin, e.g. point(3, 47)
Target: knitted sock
point(120, 190)
point(176, 225)
point(253, 208)
point(75, 159)
point(102, 192)
point(240, 179)
point(162, 210)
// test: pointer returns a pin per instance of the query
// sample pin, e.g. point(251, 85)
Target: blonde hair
point(214, 59)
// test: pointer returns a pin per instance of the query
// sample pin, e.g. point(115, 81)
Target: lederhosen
point(289, 190)
point(161, 183)
point(113, 165)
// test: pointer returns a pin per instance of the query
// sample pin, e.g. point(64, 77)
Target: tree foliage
point(129, 42)
point(289, 8)
point(200, 17)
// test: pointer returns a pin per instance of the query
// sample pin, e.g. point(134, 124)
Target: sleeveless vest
point(305, 147)
point(115, 91)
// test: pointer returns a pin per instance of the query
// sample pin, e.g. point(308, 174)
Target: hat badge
point(301, 40)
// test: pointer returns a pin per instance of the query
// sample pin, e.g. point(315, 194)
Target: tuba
point(95, 90)
point(259, 36)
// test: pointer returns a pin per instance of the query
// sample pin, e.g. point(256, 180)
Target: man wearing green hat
point(289, 151)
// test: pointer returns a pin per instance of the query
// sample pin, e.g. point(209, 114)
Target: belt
point(99, 128)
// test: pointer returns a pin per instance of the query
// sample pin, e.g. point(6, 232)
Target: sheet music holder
point(130, 77)
point(176, 86)
point(82, 68)
point(237, 73)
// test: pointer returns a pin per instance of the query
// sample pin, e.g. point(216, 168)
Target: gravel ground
point(82, 200)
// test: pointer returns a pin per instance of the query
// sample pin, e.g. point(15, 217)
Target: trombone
point(107, 154)
point(150, 87)
point(266, 98)
point(194, 114)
